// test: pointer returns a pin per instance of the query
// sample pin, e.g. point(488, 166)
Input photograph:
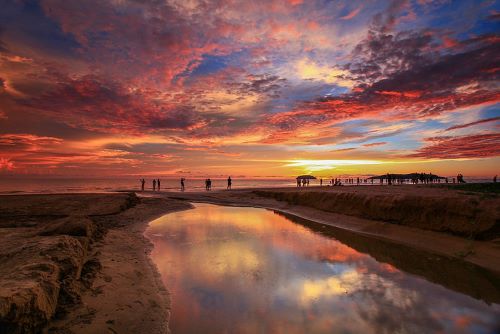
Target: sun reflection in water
point(249, 270)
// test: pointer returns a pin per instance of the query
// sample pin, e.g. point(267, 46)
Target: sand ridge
point(79, 264)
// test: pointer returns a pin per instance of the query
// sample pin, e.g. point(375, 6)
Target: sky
point(261, 88)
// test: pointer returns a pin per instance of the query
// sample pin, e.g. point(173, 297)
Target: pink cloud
point(375, 144)
point(352, 14)
point(473, 146)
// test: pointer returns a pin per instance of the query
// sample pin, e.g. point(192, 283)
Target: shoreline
point(200, 188)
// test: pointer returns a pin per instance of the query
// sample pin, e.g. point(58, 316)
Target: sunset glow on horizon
point(264, 88)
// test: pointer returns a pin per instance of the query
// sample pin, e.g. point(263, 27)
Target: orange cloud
point(375, 144)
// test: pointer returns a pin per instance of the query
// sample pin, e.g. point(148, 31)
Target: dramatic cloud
point(405, 85)
point(263, 84)
point(481, 121)
point(108, 106)
point(475, 146)
point(163, 86)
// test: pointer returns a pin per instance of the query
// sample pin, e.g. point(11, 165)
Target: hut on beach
point(303, 180)
point(306, 177)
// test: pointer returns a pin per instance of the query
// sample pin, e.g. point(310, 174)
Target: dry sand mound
point(470, 216)
point(79, 264)
point(45, 261)
point(39, 272)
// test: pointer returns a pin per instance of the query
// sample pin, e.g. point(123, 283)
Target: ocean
point(17, 184)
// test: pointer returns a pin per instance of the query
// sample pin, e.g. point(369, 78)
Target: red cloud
point(487, 120)
point(411, 94)
point(6, 164)
point(476, 146)
point(108, 106)
point(26, 141)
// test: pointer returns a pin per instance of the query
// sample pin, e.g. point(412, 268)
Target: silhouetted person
point(154, 184)
point(298, 183)
point(209, 184)
point(495, 179)
point(229, 182)
point(320, 182)
point(206, 184)
point(142, 184)
point(182, 184)
point(158, 183)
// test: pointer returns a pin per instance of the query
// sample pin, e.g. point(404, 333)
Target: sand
point(80, 263)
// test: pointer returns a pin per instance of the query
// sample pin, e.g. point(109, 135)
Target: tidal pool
point(248, 270)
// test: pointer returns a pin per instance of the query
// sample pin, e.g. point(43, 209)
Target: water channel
point(249, 270)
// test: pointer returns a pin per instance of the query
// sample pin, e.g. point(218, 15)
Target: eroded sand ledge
point(80, 264)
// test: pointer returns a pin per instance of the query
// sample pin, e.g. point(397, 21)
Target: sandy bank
point(79, 264)
point(475, 216)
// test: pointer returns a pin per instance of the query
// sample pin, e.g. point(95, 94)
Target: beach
point(79, 263)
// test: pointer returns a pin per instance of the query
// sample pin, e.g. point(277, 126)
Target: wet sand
point(79, 263)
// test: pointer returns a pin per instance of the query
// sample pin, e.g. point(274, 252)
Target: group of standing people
point(208, 184)
point(302, 182)
point(156, 184)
